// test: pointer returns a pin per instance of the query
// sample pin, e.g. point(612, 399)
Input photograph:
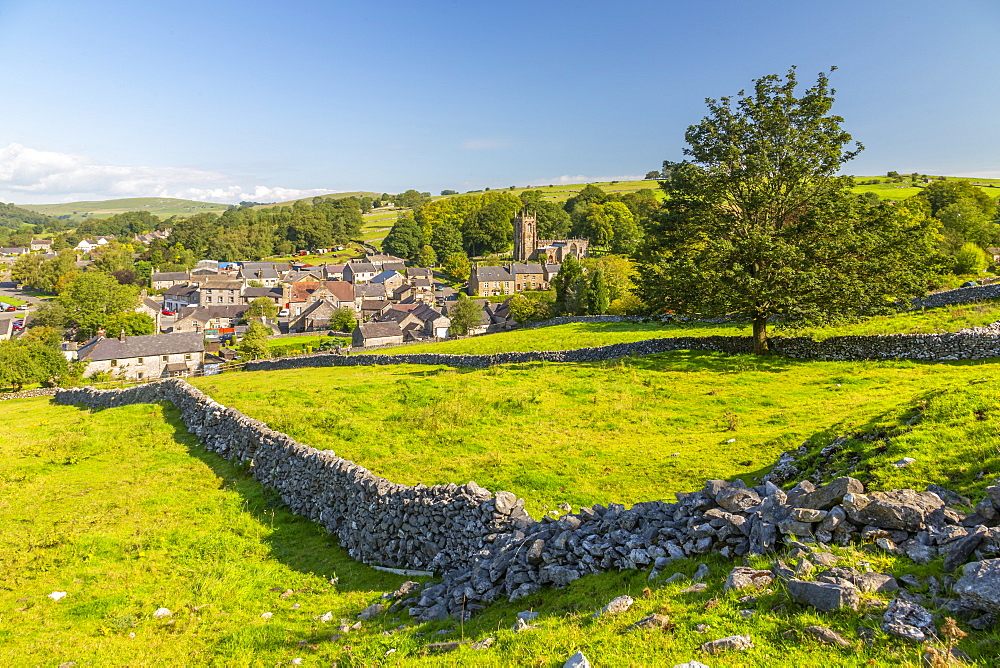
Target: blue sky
point(223, 101)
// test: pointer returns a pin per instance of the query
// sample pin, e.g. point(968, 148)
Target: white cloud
point(30, 176)
point(567, 179)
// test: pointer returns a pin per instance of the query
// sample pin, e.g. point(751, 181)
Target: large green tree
point(465, 315)
point(757, 223)
point(93, 297)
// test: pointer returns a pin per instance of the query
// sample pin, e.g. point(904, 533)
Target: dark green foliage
point(489, 230)
point(411, 199)
point(122, 225)
point(446, 239)
point(567, 285)
point(92, 298)
point(26, 362)
point(134, 324)
point(343, 320)
point(552, 219)
point(465, 315)
point(253, 345)
point(942, 194)
point(404, 239)
point(261, 307)
point(597, 294)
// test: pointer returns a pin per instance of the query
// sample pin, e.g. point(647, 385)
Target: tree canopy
point(757, 223)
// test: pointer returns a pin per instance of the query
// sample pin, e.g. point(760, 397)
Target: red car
point(167, 311)
point(11, 308)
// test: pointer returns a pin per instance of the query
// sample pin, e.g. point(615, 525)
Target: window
point(165, 358)
point(138, 360)
point(208, 300)
point(114, 362)
point(140, 375)
point(187, 356)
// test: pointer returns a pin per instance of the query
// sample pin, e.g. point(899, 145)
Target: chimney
point(100, 333)
point(121, 336)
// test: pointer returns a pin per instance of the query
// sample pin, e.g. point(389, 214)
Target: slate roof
point(169, 276)
point(253, 293)
point(378, 330)
point(526, 268)
point(206, 313)
point(386, 275)
point(418, 272)
point(492, 274)
point(360, 268)
point(369, 290)
point(222, 284)
point(182, 291)
point(142, 346)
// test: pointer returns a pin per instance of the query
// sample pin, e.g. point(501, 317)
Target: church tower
point(525, 236)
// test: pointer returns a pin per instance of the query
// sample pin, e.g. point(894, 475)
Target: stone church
point(527, 245)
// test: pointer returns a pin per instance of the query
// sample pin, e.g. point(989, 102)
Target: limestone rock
point(902, 509)
point(829, 495)
point(578, 660)
point(615, 607)
point(907, 620)
point(744, 577)
point(738, 643)
point(824, 596)
point(654, 621)
point(979, 586)
point(827, 636)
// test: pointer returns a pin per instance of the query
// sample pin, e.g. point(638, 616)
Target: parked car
point(22, 307)
point(283, 313)
point(11, 308)
point(167, 311)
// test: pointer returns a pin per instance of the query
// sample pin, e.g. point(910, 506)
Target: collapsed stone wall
point(378, 522)
point(727, 518)
point(27, 394)
point(959, 296)
point(923, 347)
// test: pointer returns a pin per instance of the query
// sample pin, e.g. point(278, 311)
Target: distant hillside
point(163, 207)
point(356, 193)
point(14, 216)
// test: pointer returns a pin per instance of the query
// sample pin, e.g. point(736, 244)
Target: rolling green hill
point(158, 206)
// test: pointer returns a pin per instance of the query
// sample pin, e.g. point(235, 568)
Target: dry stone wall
point(924, 347)
point(377, 521)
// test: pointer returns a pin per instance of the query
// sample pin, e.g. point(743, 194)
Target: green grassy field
point(159, 206)
point(124, 512)
point(567, 337)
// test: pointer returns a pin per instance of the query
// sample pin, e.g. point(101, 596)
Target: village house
point(262, 273)
point(334, 272)
point(208, 319)
point(144, 357)
point(368, 292)
point(529, 276)
point(14, 250)
point(220, 291)
point(359, 272)
point(413, 273)
point(161, 280)
point(180, 296)
point(371, 309)
point(490, 282)
point(6, 326)
point(41, 244)
point(369, 334)
point(379, 261)
point(87, 245)
point(298, 296)
point(274, 294)
point(316, 316)
point(390, 278)
point(147, 238)
point(150, 307)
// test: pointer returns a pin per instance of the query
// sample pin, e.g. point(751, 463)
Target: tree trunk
point(760, 346)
